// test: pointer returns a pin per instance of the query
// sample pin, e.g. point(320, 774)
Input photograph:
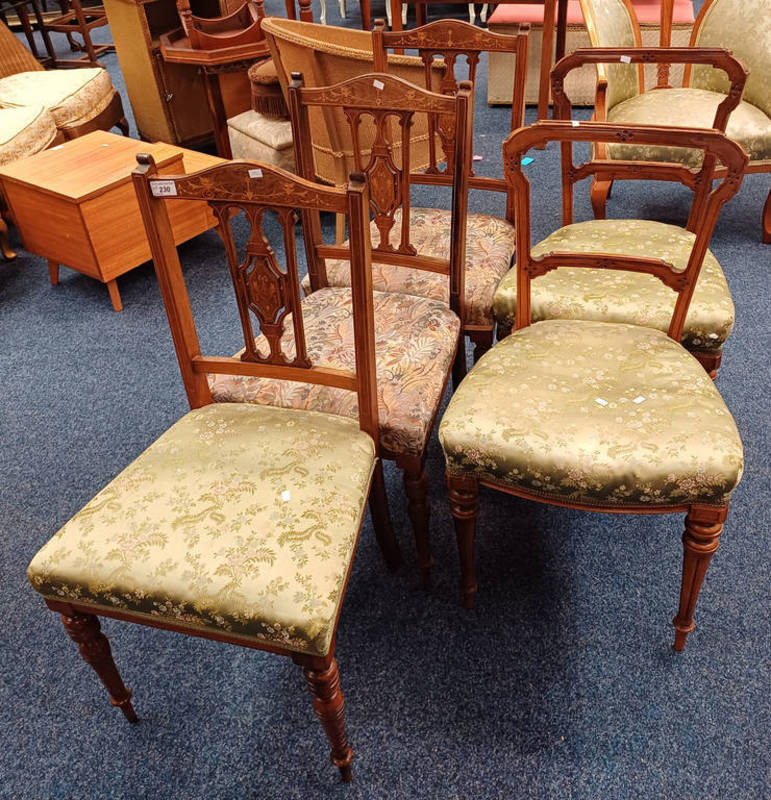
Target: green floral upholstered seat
point(415, 340)
point(489, 250)
point(220, 524)
point(594, 413)
point(633, 297)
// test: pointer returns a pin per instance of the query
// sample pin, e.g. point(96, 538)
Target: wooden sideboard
point(168, 100)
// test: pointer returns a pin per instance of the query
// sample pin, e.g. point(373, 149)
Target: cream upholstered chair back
point(14, 56)
point(326, 55)
point(744, 28)
point(613, 23)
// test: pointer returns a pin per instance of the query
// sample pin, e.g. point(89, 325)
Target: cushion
point(415, 340)
point(648, 12)
point(73, 96)
point(489, 250)
point(24, 131)
point(258, 137)
point(615, 296)
point(695, 108)
point(594, 413)
point(242, 519)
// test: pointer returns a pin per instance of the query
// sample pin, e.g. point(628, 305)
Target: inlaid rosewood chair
point(742, 26)
point(240, 522)
point(601, 416)
point(416, 338)
point(631, 297)
point(455, 47)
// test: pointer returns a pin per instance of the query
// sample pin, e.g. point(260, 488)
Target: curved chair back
point(613, 23)
point(744, 28)
point(264, 290)
point(326, 55)
point(704, 212)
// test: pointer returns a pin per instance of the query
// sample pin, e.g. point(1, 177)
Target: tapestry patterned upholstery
point(24, 131)
point(241, 519)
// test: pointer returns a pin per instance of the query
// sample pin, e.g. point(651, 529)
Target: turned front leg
point(700, 541)
point(464, 505)
point(86, 632)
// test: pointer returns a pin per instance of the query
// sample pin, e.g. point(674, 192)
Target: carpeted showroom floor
point(561, 684)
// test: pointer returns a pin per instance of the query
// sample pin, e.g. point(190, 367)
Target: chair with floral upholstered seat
point(80, 100)
point(240, 522)
point(743, 27)
point(629, 296)
point(601, 415)
point(416, 338)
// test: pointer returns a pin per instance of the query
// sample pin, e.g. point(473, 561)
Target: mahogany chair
point(417, 338)
point(739, 25)
point(240, 522)
point(601, 416)
point(454, 46)
point(630, 297)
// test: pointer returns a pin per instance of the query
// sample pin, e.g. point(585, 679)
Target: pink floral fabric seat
point(415, 341)
point(490, 245)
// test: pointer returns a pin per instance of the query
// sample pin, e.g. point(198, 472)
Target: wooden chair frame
point(448, 40)
point(391, 103)
point(703, 523)
point(693, 54)
point(227, 188)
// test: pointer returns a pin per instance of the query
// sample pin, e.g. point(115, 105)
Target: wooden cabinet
point(168, 100)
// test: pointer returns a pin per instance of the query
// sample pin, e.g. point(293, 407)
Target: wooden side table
point(75, 204)
point(549, 7)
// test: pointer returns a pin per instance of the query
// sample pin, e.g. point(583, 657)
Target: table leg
point(218, 114)
point(112, 288)
point(53, 272)
point(547, 45)
point(562, 29)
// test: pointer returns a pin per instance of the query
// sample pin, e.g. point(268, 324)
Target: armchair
point(743, 27)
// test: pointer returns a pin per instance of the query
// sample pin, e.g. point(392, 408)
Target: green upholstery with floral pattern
point(415, 341)
point(614, 27)
point(239, 519)
point(616, 296)
point(748, 125)
point(594, 413)
point(490, 243)
point(744, 28)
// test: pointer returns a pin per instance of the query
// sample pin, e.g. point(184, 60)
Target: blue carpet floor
point(561, 683)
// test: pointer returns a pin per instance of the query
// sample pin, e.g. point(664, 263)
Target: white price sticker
point(163, 188)
point(575, 123)
point(639, 399)
point(255, 173)
point(626, 59)
point(600, 401)
point(286, 495)
point(379, 85)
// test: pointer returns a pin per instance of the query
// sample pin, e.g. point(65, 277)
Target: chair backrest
point(613, 23)
point(326, 55)
point(744, 28)
point(264, 291)
point(704, 212)
point(374, 112)
point(241, 27)
point(14, 56)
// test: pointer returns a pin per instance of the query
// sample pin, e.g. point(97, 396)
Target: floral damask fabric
point(694, 108)
point(744, 28)
point(415, 340)
point(614, 296)
point(242, 519)
point(595, 413)
point(73, 96)
point(24, 132)
point(490, 245)
point(615, 28)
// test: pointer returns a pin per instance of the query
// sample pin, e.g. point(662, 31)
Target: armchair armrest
point(716, 57)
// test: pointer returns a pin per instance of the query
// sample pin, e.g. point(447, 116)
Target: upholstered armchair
point(79, 100)
point(240, 522)
point(603, 416)
point(742, 27)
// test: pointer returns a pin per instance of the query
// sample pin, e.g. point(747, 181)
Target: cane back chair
point(416, 338)
point(240, 522)
point(742, 26)
point(444, 45)
point(631, 296)
point(600, 416)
